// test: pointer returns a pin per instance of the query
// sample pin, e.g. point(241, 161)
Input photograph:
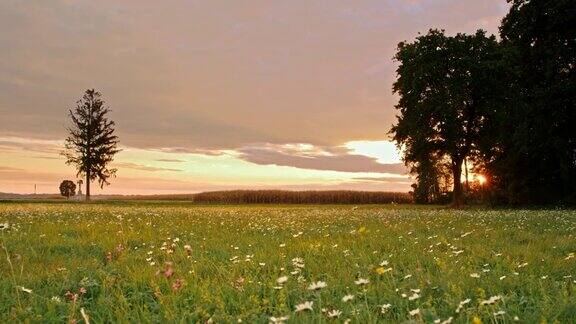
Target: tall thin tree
point(91, 144)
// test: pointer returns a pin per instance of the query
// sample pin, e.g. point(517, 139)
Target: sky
point(216, 95)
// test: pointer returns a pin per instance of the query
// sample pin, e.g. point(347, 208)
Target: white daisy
point(334, 313)
point(461, 305)
point(384, 308)
point(278, 320)
point(347, 298)
point(282, 280)
point(305, 306)
point(414, 312)
point(317, 285)
point(491, 300)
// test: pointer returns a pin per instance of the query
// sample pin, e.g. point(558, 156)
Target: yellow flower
point(380, 270)
point(476, 320)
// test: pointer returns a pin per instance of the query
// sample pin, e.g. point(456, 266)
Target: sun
point(481, 179)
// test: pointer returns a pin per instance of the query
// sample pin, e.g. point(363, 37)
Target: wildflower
point(474, 275)
point(503, 277)
point(178, 283)
point(278, 320)
point(447, 321)
point(498, 313)
point(56, 299)
point(26, 290)
point(317, 285)
point(305, 306)
point(4, 226)
point(188, 249)
point(384, 263)
point(380, 270)
point(491, 300)
point(347, 298)
point(414, 297)
point(570, 255)
point(522, 265)
point(384, 308)
point(71, 296)
point(334, 313)
point(414, 312)
point(407, 276)
point(168, 271)
point(476, 320)
point(282, 280)
point(298, 262)
point(362, 281)
point(461, 305)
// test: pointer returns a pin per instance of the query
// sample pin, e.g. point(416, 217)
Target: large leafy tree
point(91, 144)
point(534, 157)
point(443, 86)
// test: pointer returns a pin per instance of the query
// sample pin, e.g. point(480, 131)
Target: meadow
point(147, 262)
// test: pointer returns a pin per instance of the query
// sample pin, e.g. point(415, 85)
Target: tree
point(91, 144)
point(534, 157)
point(67, 188)
point(443, 83)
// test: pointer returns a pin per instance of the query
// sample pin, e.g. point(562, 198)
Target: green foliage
point(532, 156)
point(67, 188)
point(111, 260)
point(91, 145)
point(509, 108)
point(442, 83)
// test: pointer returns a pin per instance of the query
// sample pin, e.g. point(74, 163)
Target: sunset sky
point(211, 95)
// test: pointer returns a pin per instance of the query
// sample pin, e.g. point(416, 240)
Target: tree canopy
point(67, 188)
point(508, 106)
point(441, 83)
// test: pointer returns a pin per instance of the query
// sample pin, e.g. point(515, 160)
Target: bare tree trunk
point(88, 185)
point(457, 192)
point(466, 171)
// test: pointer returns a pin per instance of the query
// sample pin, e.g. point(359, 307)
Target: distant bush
point(301, 197)
point(67, 188)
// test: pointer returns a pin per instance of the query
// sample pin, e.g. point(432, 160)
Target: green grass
point(119, 254)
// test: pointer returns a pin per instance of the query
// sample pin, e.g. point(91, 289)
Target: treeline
point(280, 197)
point(502, 107)
point(301, 197)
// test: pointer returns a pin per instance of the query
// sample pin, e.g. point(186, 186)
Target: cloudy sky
point(211, 94)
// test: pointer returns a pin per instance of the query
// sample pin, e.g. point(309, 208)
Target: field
point(176, 262)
